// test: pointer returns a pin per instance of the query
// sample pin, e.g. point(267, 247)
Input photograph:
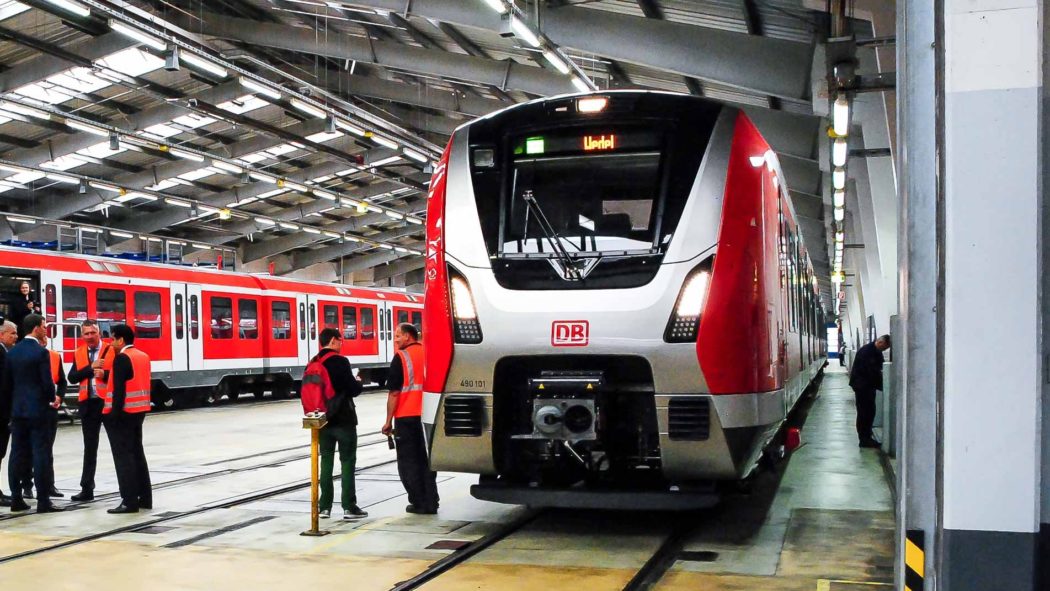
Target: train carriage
point(212, 333)
point(618, 298)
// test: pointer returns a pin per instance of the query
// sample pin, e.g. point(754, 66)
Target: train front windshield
point(588, 203)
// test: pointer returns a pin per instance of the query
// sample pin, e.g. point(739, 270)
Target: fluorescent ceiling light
point(310, 230)
point(394, 214)
point(385, 161)
point(308, 108)
point(580, 84)
point(840, 116)
point(382, 141)
point(288, 226)
point(19, 220)
point(71, 7)
point(266, 221)
point(497, 5)
point(177, 203)
point(558, 63)
point(86, 128)
point(350, 202)
point(413, 220)
point(838, 152)
point(227, 166)
point(13, 168)
point(331, 234)
point(415, 155)
point(262, 177)
point(295, 186)
point(384, 245)
point(840, 214)
point(349, 127)
point(24, 110)
point(187, 155)
point(373, 208)
point(260, 88)
point(839, 199)
point(120, 234)
point(522, 31)
point(137, 35)
point(202, 64)
point(61, 178)
point(838, 178)
point(324, 195)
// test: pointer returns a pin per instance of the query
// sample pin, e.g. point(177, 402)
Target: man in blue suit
point(28, 384)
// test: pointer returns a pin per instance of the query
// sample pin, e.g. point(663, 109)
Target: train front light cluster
point(464, 315)
point(684, 324)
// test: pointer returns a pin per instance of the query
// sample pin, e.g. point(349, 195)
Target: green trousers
point(346, 436)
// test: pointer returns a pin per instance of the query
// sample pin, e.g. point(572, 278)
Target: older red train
point(212, 333)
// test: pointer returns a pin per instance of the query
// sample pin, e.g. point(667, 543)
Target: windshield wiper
point(552, 236)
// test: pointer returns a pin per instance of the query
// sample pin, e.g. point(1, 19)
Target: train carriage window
point(180, 330)
point(281, 318)
point(195, 332)
point(368, 327)
point(349, 323)
point(302, 322)
point(330, 317)
point(402, 316)
point(50, 304)
point(417, 320)
point(313, 321)
point(221, 318)
point(248, 319)
point(147, 315)
point(111, 305)
point(74, 308)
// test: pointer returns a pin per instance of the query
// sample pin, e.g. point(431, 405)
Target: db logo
point(570, 333)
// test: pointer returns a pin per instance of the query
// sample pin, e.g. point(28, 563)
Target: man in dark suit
point(8, 338)
point(865, 378)
point(32, 397)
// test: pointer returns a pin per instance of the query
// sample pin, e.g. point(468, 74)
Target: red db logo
point(570, 333)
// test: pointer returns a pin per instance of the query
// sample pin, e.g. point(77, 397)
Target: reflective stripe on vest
point(410, 398)
point(81, 359)
point(56, 368)
point(137, 390)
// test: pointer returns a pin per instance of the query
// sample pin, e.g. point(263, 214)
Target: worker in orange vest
point(126, 402)
point(92, 362)
point(404, 410)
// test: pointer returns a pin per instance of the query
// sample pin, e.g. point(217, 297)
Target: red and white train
point(618, 299)
point(212, 333)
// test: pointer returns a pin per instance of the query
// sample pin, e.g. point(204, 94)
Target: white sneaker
point(325, 513)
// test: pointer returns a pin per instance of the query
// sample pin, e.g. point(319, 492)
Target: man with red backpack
point(329, 386)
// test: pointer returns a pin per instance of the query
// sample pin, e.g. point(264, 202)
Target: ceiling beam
point(391, 270)
point(45, 66)
point(375, 259)
point(301, 260)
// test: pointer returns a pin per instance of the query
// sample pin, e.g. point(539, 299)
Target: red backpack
point(317, 388)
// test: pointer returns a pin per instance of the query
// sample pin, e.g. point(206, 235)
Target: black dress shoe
point(122, 508)
point(145, 504)
point(5, 501)
point(55, 493)
point(421, 510)
point(18, 505)
point(84, 495)
point(49, 509)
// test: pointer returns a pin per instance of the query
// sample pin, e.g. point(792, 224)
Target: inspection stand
point(314, 422)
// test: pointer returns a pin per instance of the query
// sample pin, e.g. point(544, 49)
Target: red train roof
point(19, 258)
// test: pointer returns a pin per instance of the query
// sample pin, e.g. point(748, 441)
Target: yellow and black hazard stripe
point(914, 559)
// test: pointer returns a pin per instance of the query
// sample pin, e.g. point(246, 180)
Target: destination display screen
point(577, 141)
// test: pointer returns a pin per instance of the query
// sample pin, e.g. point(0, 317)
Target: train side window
point(368, 327)
point(111, 305)
point(50, 304)
point(221, 318)
point(248, 319)
point(281, 318)
point(331, 317)
point(349, 323)
point(302, 322)
point(402, 316)
point(74, 308)
point(180, 330)
point(382, 325)
point(313, 321)
point(195, 332)
point(147, 315)
point(417, 320)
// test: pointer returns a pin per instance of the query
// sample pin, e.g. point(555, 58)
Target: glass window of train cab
point(349, 323)
point(147, 315)
point(330, 316)
point(281, 318)
point(221, 318)
point(74, 308)
point(368, 326)
point(248, 319)
point(111, 306)
point(194, 321)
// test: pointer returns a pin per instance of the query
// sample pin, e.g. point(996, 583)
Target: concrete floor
point(825, 522)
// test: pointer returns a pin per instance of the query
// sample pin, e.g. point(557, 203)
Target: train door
point(179, 334)
point(386, 332)
point(302, 332)
point(311, 326)
point(195, 328)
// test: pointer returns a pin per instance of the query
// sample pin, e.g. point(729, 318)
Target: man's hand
point(97, 364)
point(99, 374)
point(57, 403)
point(387, 428)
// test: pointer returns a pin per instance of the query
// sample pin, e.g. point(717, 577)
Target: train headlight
point(684, 324)
point(464, 314)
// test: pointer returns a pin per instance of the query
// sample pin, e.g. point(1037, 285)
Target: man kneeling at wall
point(341, 427)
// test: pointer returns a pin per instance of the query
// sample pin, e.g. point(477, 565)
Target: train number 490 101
point(473, 384)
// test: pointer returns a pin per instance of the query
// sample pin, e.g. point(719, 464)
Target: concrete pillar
point(991, 288)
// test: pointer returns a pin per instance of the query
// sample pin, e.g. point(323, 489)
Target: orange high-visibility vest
point(56, 368)
point(82, 359)
point(410, 397)
point(137, 390)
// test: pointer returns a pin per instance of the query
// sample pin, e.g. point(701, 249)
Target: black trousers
point(865, 398)
point(31, 441)
point(90, 412)
point(413, 466)
point(27, 462)
point(125, 438)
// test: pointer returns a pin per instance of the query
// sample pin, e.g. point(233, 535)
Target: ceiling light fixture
point(137, 35)
point(558, 63)
point(258, 88)
point(307, 108)
point(204, 65)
